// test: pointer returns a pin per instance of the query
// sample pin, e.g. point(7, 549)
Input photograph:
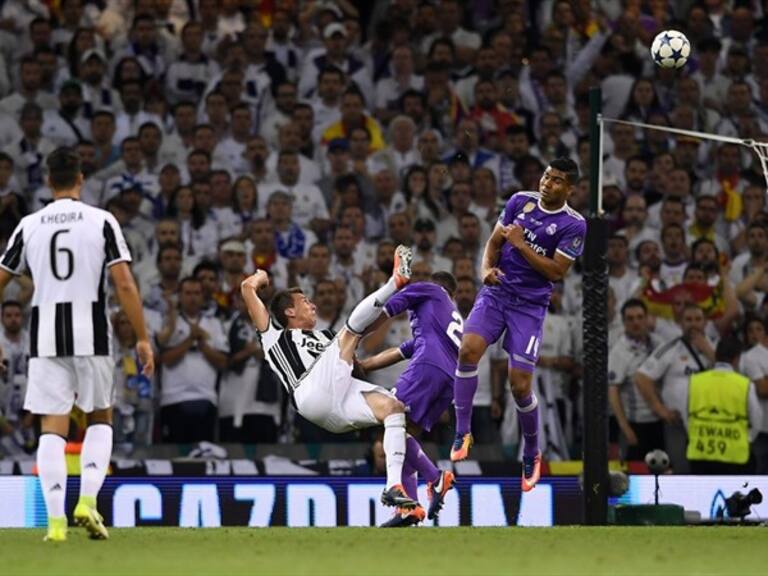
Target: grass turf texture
point(370, 551)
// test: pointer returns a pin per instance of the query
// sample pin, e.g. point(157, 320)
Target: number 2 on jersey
point(456, 328)
point(68, 257)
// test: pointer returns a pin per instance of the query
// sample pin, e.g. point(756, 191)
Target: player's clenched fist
point(514, 235)
point(256, 281)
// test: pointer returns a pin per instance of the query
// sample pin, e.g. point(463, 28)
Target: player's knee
point(469, 352)
point(520, 385)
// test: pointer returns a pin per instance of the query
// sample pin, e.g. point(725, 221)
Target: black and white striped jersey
point(291, 353)
point(67, 247)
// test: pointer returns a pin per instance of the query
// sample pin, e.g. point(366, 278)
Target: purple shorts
point(426, 391)
point(495, 311)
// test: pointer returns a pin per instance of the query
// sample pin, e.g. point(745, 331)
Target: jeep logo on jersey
point(552, 228)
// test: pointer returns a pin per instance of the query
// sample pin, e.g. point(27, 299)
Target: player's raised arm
point(386, 358)
point(489, 273)
point(128, 295)
point(256, 309)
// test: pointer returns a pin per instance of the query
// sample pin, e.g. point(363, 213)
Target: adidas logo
point(55, 487)
point(91, 465)
point(377, 304)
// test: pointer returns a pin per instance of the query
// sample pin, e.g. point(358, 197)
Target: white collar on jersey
point(561, 209)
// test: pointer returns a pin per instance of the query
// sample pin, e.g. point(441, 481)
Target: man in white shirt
point(754, 365)
point(671, 365)
point(310, 210)
point(191, 361)
point(642, 430)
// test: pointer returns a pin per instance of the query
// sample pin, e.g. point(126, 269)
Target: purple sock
point(419, 461)
point(464, 388)
point(528, 413)
point(410, 481)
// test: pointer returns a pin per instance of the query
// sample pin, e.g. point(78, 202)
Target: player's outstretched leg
point(403, 517)
point(370, 308)
point(94, 464)
point(52, 470)
point(438, 482)
point(528, 414)
point(389, 410)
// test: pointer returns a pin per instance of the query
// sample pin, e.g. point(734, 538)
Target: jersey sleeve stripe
point(564, 254)
point(12, 258)
point(110, 246)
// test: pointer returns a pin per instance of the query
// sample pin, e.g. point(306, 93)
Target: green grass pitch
point(371, 551)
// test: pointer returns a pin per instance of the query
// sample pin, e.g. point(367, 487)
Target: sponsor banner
point(335, 501)
point(291, 501)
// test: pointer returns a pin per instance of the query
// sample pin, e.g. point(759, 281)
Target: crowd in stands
point(309, 138)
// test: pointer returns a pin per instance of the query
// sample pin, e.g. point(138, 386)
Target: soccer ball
point(670, 49)
point(657, 461)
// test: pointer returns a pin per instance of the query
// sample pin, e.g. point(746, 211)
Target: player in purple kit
point(534, 243)
point(426, 386)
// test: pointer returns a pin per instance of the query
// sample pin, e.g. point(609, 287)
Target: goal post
point(595, 334)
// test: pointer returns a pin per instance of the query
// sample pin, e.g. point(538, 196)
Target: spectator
point(641, 429)
point(249, 408)
point(669, 367)
point(191, 362)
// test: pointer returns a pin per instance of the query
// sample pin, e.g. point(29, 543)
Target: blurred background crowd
point(309, 138)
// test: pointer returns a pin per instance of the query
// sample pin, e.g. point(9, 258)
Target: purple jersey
point(546, 232)
point(435, 323)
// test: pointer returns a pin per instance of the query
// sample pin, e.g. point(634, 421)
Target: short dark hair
point(728, 349)
point(12, 304)
point(187, 280)
point(568, 166)
point(165, 248)
point(63, 168)
point(446, 280)
point(206, 265)
point(281, 302)
point(633, 303)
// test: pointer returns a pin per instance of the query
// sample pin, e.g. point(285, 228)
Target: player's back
point(67, 246)
point(435, 323)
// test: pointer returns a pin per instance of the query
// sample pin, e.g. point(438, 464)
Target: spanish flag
point(730, 200)
point(709, 298)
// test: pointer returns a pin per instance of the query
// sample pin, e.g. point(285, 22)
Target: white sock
point(52, 470)
point(394, 447)
point(94, 458)
point(371, 307)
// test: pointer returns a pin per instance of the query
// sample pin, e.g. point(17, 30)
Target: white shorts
point(54, 385)
point(331, 398)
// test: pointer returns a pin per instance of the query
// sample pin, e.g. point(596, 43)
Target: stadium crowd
point(309, 138)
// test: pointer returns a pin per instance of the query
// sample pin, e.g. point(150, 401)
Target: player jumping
point(426, 386)
point(67, 246)
point(534, 243)
point(315, 367)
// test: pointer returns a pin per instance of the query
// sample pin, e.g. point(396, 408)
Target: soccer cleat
point(57, 529)
point(401, 271)
point(531, 472)
point(396, 496)
point(436, 492)
point(460, 448)
point(404, 518)
point(89, 518)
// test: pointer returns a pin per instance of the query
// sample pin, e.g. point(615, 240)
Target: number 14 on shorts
point(533, 346)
